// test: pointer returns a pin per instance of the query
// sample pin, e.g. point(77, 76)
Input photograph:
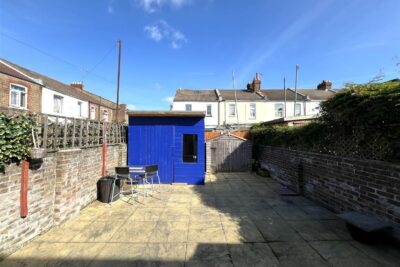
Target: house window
point(253, 111)
point(279, 110)
point(189, 148)
point(79, 108)
point(209, 111)
point(92, 113)
point(58, 104)
point(17, 96)
point(188, 107)
point(105, 115)
point(232, 109)
point(297, 110)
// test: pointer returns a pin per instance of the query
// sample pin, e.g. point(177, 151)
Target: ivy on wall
point(15, 137)
point(361, 121)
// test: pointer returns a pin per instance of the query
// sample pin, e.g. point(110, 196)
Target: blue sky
point(170, 44)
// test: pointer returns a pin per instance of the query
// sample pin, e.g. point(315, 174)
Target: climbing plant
point(15, 137)
point(361, 121)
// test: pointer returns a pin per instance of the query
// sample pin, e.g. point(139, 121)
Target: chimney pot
point(325, 85)
point(77, 85)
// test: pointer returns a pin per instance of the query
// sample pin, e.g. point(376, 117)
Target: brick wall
point(34, 92)
point(338, 183)
point(58, 189)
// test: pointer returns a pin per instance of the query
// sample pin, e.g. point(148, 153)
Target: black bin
point(104, 188)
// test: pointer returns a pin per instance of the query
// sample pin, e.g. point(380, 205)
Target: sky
point(198, 44)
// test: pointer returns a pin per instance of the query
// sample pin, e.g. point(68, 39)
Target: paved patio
point(236, 219)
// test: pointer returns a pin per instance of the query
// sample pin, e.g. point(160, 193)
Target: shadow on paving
point(235, 219)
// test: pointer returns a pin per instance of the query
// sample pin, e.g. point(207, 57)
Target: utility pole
point(236, 109)
point(284, 91)
point(295, 90)
point(119, 74)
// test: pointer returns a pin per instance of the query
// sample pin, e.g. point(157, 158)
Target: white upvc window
point(209, 110)
point(79, 108)
point(18, 96)
point(279, 110)
point(253, 111)
point(58, 104)
point(232, 110)
point(92, 113)
point(188, 107)
point(105, 115)
point(297, 110)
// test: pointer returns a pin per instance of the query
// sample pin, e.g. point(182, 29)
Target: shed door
point(153, 145)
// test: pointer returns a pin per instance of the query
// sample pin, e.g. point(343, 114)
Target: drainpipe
point(24, 189)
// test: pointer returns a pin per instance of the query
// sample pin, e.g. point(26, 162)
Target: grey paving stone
point(313, 230)
point(253, 254)
point(276, 230)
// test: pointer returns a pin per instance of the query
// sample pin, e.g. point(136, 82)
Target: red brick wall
point(34, 92)
point(338, 183)
point(57, 191)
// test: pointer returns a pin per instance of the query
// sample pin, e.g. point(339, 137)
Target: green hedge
point(15, 137)
point(362, 121)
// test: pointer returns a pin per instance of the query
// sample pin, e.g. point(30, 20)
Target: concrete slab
point(236, 219)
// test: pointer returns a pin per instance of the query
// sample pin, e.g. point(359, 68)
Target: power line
point(59, 58)
point(99, 62)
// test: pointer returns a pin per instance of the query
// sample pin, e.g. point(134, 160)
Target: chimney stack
point(77, 85)
point(325, 85)
point(255, 85)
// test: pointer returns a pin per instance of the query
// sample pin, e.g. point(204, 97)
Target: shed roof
point(166, 114)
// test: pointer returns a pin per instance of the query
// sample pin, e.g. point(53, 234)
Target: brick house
point(28, 90)
point(18, 91)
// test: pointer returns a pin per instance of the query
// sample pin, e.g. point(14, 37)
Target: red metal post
point(104, 149)
point(24, 188)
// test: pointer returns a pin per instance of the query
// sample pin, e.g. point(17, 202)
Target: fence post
point(73, 133)
point(65, 133)
point(80, 132)
point(45, 131)
point(55, 134)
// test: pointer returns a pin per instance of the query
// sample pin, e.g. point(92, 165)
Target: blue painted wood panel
point(158, 140)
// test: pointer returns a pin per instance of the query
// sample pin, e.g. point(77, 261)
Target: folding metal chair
point(122, 173)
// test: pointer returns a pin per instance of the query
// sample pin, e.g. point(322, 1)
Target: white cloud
point(161, 30)
point(151, 6)
point(132, 107)
point(168, 99)
point(153, 32)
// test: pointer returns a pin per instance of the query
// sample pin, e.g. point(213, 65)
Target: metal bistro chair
point(147, 173)
point(122, 173)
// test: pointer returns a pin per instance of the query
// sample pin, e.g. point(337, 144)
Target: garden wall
point(58, 189)
point(338, 183)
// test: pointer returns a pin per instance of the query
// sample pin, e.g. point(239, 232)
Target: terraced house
point(24, 89)
point(244, 107)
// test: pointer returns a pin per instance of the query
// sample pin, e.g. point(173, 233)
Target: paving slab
point(236, 219)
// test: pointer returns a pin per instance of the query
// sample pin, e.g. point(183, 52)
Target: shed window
point(188, 107)
point(190, 148)
point(17, 96)
point(209, 111)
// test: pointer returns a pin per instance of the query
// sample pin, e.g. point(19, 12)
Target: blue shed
point(174, 140)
